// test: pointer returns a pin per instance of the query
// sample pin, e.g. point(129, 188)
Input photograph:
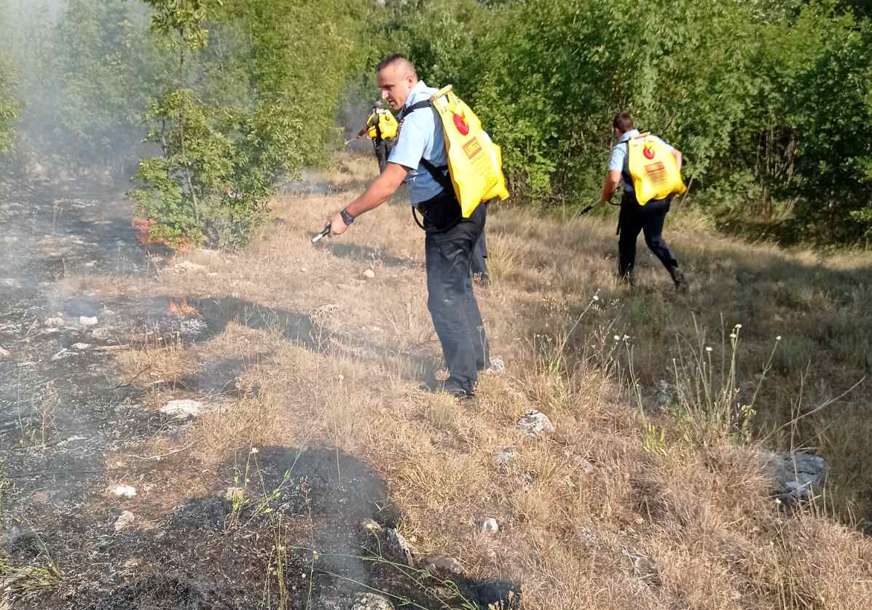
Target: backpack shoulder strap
point(625, 170)
point(416, 106)
point(439, 174)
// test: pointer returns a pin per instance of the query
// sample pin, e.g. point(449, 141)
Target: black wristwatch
point(346, 217)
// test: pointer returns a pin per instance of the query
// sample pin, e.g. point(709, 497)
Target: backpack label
point(472, 148)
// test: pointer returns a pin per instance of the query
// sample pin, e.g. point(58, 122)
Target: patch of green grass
point(20, 581)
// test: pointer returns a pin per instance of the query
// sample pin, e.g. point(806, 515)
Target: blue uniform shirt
point(420, 137)
point(618, 160)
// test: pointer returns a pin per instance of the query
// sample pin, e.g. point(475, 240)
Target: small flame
point(183, 309)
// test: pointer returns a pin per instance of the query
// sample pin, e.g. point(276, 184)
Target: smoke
point(354, 109)
point(82, 75)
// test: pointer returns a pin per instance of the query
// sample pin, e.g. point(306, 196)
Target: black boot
point(679, 279)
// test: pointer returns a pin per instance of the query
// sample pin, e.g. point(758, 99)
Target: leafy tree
point(256, 90)
point(768, 100)
point(85, 72)
point(108, 66)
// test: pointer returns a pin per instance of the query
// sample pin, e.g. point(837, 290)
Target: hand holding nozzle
point(325, 232)
point(335, 225)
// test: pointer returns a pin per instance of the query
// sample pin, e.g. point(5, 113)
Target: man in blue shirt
point(634, 217)
point(419, 160)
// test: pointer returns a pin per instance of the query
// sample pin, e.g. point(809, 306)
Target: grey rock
point(497, 366)
point(796, 475)
point(535, 423)
point(664, 395)
point(182, 409)
point(645, 569)
point(124, 521)
point(123, 491)
point(371, 525)
point(584, 465)
point(490, 526)
point(504, 456)
point(371, 601)
point(443, 565)
point(192, 326)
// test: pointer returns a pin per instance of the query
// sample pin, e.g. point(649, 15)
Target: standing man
point(418, 159)
point(381, 127)
point(648, 218)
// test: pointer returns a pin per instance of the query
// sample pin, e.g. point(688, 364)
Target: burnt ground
point(294, 540)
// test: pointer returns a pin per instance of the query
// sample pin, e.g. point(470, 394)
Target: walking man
point(418, 154)
point(647, 218)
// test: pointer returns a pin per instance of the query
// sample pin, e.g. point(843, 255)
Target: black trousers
point(451, 301)
point(382, 149)
point(478, 264)
point(648, 218)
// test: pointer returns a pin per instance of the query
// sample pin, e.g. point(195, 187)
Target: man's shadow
point(303, 330)
point(367, 253)
point(325, 513)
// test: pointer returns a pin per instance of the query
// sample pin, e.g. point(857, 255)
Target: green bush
point(769, 101)
point(257, 89)
point(107, 65)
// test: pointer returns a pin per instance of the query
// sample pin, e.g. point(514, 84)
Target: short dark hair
point(623, 122)
point(395, 58)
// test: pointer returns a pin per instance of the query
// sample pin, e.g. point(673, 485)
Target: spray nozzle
point(324, 233)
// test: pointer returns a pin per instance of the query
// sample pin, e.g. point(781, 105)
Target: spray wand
point(585, 209)
point(325, 232)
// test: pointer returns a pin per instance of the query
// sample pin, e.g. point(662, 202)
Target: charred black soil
point(279, 527)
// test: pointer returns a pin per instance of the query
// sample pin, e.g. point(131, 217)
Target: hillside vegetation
point(769, 100)
point(651, 492)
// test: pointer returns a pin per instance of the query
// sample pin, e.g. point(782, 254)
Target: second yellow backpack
point(475, 163)
point(653, 169)
point(381, 123)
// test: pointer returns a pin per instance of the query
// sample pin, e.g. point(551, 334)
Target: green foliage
point(257, 89)
point(8, 108)
point(769, 101)
point(107, 66)
point(85, 71)
point(829, 104)
point(181, 22)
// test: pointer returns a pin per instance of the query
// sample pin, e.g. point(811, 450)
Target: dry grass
point(622, 506)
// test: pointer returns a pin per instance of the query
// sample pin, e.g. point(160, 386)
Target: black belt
point(440, 213)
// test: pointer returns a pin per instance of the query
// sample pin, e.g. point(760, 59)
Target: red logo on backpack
point(461, 125)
